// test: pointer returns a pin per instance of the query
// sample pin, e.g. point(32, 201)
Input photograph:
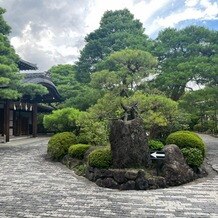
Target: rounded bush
point(193, 156)
point(59, 143)
point(78, 150)
point(100, 158)
point(155, 145)
point(186, 139)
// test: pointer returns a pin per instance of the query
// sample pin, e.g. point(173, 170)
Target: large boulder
point(175, 170)
point(129, 145)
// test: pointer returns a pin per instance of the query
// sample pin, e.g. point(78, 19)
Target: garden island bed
point(182, 162)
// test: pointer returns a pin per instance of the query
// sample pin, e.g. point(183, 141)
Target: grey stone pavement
point(31, 186)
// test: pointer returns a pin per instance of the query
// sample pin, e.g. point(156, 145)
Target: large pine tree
point(118, 30)
point(9, 76)
point(185, 55)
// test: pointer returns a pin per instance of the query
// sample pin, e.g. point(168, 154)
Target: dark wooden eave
point(42, 78)
point(25, 65)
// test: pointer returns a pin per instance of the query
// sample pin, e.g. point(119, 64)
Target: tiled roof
point(43, 78)
point(25, 65)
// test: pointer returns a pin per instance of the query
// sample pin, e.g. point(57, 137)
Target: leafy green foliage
point(9, 77)
point(74, 94)
point(63, 74)
point(100, 158)
point(186, 139)
point(118, 30)
point(80, 169)
point(92, 131)
point(161, 115)
point(59, 144)
point(128, 67)
point(105, 80)
point(107, 107)
point(202, 105)
point(62, 120)
point(78, 150)
point(88, 129)
point(5, 29)
point(185, 55)
point(83, 97)
point(155, 145)
point(193, 156)
point(32, 89)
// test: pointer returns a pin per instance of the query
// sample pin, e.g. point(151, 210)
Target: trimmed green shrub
point(186, 139)
point(191, 133)
point(78, 150)
point(193, 156)
point(59, 143)
point(100, 158)
point(92, 131)
point(155, 145)
point(62, 120)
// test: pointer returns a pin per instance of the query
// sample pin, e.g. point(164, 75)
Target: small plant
point(80, 169)
point(155, 145)
point(59, 143)
point(100, 158)
point(186, 139)
point(78, 150)
point(193, 156)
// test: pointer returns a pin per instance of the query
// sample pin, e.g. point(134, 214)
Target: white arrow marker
point(155, 155)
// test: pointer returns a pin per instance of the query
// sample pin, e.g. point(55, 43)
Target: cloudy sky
point(50, 32)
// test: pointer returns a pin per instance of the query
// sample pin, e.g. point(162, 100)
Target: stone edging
point(124, 179)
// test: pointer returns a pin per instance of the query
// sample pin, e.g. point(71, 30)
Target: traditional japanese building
point(19, 117)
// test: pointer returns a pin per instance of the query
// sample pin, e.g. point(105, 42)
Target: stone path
point(31, 186)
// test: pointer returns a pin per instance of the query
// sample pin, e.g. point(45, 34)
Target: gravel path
point(31, 186)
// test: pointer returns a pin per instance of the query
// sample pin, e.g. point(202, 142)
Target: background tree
point(185, 55)
point(118, 30)
point(11, 86)
point(160, 114)
point(75, 94)
point(127, 67)
point(203, 106)
point(9, 76)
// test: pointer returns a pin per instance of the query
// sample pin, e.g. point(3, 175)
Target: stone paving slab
point(31, 186)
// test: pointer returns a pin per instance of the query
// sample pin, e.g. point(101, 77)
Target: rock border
point(124, 179)
point(173, 172)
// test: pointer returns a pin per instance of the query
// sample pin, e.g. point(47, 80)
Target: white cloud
point(97, 9)
point(187, 14)
point(195, 10)
point(191, 3)
point(145, 9)
point(52, 32)
point(211, 9)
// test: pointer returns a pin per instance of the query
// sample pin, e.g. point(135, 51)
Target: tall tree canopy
point(11, 86)
point(186, 55)
point(203, 106)
point(124, 70)
point(9, 76)
point(118, 30)
point(74, 93)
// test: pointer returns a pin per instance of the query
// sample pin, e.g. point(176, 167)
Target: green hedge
point(186, 139)
point(155, 145)
point(78, 150)
point(100, 158)
point(59, 143)
point(193, 156)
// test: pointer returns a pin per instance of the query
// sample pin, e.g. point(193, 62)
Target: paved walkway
point(31, 186)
